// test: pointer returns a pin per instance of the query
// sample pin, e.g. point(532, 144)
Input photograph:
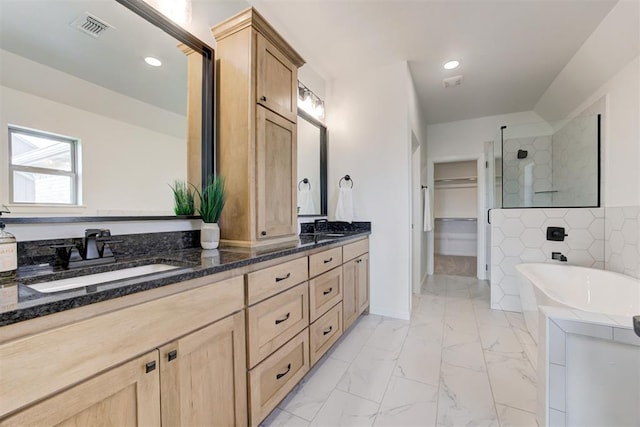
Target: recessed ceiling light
point(451, 65)
point(154, 62)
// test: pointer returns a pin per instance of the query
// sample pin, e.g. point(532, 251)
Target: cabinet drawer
point(325, 332)
point(354, 249)
point(270, 381)
point(325, 291)
point(275, 321)
point(262, 284)
point(324, 261)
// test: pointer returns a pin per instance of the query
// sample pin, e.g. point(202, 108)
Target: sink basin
point(94, 279)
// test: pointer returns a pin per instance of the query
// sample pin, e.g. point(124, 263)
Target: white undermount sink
point(95, 279)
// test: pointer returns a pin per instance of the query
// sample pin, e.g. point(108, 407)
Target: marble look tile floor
point(455, 363)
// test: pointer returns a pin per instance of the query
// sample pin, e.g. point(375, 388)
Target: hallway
point(456, 362)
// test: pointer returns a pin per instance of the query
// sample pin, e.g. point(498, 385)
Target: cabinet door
point(362, 282)
point(276, 160)
point(127, 395)
point(277, 81)
point(350, 306)
point(203, 377)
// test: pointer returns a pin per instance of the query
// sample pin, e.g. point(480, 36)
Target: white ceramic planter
point(209, 235)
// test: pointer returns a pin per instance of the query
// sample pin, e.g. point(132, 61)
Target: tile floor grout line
point(444, 315)
point(486, 366)
point(395, 365)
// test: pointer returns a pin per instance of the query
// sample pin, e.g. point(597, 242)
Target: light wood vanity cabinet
point(126, 395)
point(275, 321)
point(204, 383)
point(276, 172)
point(223, 353)
point(276, 80)
point(325, 291)
point(325, 332)
point(202, 376)
point(257, 131)
point(355, 272)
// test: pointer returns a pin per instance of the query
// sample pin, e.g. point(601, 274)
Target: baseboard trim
point(403, 315)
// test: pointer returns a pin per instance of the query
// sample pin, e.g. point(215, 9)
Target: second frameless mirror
point(312, 166)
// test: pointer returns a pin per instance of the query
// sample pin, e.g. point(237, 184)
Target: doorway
point(456, 218)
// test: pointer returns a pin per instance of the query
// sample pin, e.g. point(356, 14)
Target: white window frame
point(74, 173)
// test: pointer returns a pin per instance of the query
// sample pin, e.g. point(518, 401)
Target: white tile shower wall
point(622, 240)
point(519, 236)
point(575, 159)
point(539, 156)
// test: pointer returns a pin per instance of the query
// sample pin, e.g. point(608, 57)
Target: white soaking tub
point(581, 288)
point(588, 358)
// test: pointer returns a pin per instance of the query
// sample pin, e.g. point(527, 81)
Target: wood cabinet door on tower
point(127, 395)
point(350, 306)
point(277, 80)
point(203, 376)
point(276, 157)
point(362, 281)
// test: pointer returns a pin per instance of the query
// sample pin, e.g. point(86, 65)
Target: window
point(43, 168)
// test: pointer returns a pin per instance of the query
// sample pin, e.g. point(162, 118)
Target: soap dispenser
point(8, 252)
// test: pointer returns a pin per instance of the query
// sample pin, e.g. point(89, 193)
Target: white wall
point(611, 46)
point(369, 125)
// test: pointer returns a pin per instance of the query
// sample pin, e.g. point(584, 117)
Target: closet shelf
point(456, 219)
point(459, 180)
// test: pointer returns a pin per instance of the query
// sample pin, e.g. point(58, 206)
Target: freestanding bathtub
point(588, 357)
point(582, 288)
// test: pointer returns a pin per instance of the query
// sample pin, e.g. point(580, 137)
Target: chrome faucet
point(558, 256)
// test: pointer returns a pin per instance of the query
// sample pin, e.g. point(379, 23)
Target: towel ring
point(304, 181)
point(346, 178)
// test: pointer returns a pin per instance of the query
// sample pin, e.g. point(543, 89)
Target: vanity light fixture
point(179, 11)
point(154, 62)
point(310, 102)
point(450, 65)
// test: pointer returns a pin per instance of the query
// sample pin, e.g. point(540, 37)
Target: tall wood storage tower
point(257, 105)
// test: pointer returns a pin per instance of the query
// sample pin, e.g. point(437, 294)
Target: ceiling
point(510, 50)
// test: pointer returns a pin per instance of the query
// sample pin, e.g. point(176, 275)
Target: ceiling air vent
point(91, 25)
point(452, 81)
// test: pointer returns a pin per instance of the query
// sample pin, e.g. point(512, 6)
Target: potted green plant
point(183, 197)
point(212, 199)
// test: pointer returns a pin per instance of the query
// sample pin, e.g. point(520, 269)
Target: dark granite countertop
point(191, 263)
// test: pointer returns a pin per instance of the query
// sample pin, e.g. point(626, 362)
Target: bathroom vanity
point(217, 343)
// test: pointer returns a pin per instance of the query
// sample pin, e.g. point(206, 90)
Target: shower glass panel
point(550, 164)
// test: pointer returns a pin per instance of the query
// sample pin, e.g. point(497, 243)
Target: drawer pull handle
point(263, 98)
point(359, 261)
point(327, 261)
point(278, 376)
point(327, 292)
point(151, 366)
point(280, 279)
point(327, 331)
point(286, 317)
point(172, 355)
